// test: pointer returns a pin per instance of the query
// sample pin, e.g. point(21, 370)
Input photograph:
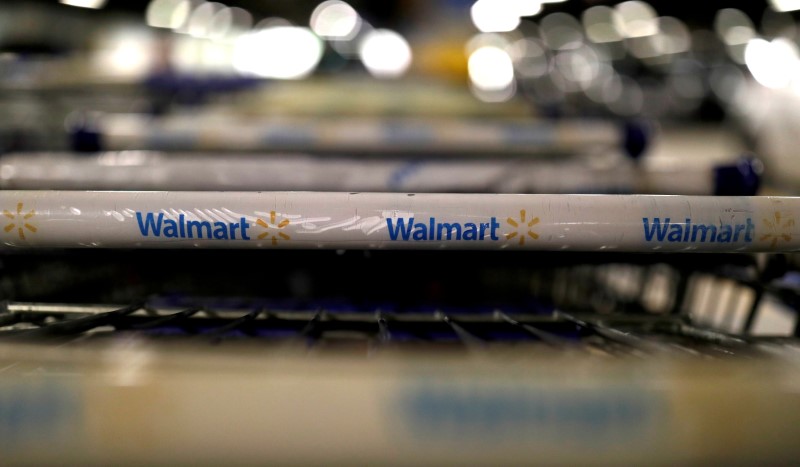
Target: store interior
point(133, 356)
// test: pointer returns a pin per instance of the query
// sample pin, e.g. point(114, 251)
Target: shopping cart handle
point(359, 135)
point(349, 220)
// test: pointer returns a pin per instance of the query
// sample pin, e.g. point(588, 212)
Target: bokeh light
point(635, 19)
point(281, 52)
point(773, 64)
point(598, 22)
point(385, 53)
point(494, 16)
point(334, 19)
point(491, 73)
point(170, 14)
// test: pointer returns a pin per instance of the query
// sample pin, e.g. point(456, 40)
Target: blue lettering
point(198, 226)
point(725, 233)
point(495, 226)
point(244, 226)
point(408, 230)
point(401, 229)
point(154, 224)
point(421, 231)
point(220, 230)
point(704, 229)
point(675, 233)
point(448, 228)
point(655, 230)
point(149, 224)
point(470, 231)
point(739, 228)
point(170, 228)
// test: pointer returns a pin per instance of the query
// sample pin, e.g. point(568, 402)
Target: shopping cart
point(565, 357)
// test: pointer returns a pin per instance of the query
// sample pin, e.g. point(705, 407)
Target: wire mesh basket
point(563, 358)
point(714, 304)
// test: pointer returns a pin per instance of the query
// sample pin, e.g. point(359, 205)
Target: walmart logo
point(276, 230)
point(157, 224)
point(410, 230)
point(522, 229)
point(19, 221)
point(273, 230)
point(433, 229)
point(774, 229)
point(666, 230)
point(777, 228)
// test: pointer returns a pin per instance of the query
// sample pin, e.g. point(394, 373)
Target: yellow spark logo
point(273, 229)
point(777, 229)
point(19, 221)
point(523, 229)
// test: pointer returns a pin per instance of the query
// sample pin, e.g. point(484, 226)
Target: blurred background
point(686, 84)
point(592, 358)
